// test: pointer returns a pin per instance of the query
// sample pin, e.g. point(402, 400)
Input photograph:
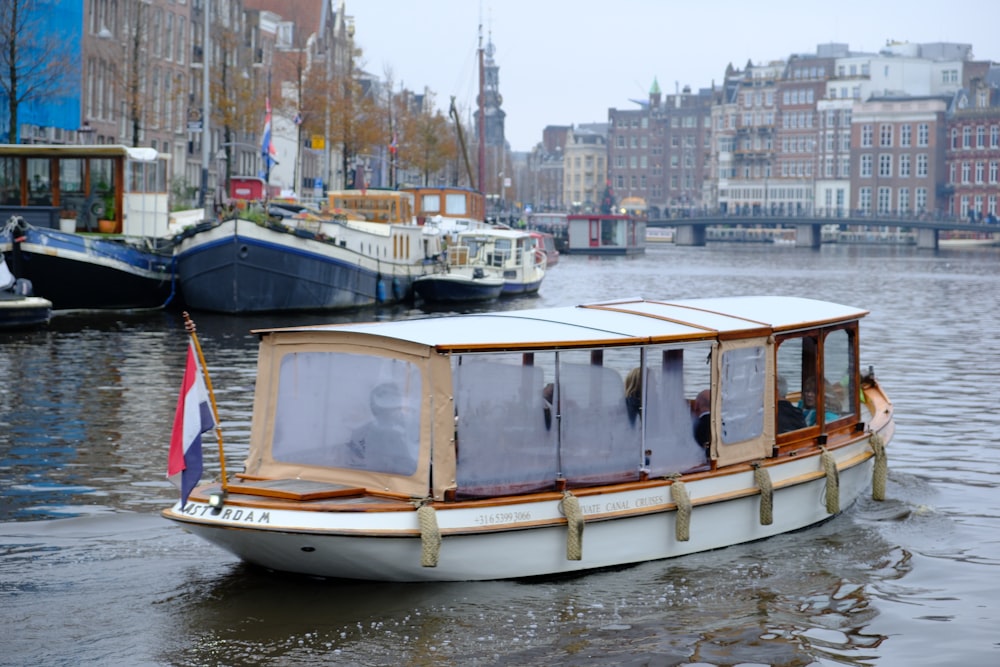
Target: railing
point(760, 216)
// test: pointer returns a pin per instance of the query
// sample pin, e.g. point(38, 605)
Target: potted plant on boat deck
point(67, 220)
point(108, 224)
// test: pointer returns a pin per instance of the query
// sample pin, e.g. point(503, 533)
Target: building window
point(921, 200)
point(995, 137)
point(954, 138)
point(980, 137)
point(865, 200)
point(866, 136)
point(885, 165)
point(994, 168)
point(904, 200)
point(923, 134)
point(904, 166)
point(980, 170)
point(966, 171)
point(884, 200)
point(922, 165)
point(904, 135)
point(966, 137)
point(866, 166)
point(885, 134)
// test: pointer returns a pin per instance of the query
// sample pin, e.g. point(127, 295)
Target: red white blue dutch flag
point(193, 417)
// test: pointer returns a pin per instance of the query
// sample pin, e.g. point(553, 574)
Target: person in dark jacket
point(790, 417)
point(703, 418)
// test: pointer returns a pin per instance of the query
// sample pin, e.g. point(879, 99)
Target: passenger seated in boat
point(808, 403)
point(633, 393)
point(703, 418)
point(390, 441)
point(790, 417)
point(548, 393)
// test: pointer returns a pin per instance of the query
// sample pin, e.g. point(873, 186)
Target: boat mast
point(482, 114)
point(461, 141)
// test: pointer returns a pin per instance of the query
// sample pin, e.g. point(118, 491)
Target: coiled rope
point(880, 473)
point(832, 482)
point(570, 506)
point(430, 535)
point(679, 494)
point(762, 478)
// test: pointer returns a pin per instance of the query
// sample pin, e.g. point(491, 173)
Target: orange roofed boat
point(482, 446)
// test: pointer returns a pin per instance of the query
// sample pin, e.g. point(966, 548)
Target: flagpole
point(191, 329)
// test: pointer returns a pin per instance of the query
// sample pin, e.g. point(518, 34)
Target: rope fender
point(430, 535)
point(570, 506)
point(832, 482)
point(679, 494)
point(880, 473)
point(762, 478)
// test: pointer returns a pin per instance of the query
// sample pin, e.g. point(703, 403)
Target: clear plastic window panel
point(343, 410)
point(599, 441)
point(506, 429)
point(673, 378)
point(743, 374)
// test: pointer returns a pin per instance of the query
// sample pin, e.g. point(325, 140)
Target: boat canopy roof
point(626, 322)
point(138, 153)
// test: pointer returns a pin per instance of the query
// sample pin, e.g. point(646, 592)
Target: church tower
point(492, 100)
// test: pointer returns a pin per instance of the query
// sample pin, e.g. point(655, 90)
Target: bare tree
point(426, 140)
point(34, 60)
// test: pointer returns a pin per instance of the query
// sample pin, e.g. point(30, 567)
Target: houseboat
point(605, 234)
point(365, 249)
point(550, 441)
point(89, 226)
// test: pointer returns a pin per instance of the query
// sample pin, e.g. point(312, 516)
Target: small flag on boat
point(193, 417)
point(267, 150)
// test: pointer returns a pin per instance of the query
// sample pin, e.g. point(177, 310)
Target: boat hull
point(527, 536)
point(514, 287)
point(89, 272)
point(241, 267)
point(454, 288)
point(21, 312)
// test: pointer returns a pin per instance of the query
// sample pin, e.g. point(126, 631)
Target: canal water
point(91, 574)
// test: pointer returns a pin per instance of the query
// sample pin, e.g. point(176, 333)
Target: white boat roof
point(629, 321)
point(495, 232)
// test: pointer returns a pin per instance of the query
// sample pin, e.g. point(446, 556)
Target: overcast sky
point(565, 62)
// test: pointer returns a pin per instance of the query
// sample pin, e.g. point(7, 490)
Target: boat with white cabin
point(549, 441)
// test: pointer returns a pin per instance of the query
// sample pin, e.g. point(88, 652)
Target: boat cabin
point(600, 234)
point(106, 188)
point(448, 203)
point(514, 402)
point(388, 206)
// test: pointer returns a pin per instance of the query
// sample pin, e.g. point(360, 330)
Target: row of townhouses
point(911, 130)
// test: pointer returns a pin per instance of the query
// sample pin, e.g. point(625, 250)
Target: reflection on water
point(85, 413)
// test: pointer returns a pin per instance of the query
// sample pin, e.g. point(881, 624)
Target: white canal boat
point(543, 442)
